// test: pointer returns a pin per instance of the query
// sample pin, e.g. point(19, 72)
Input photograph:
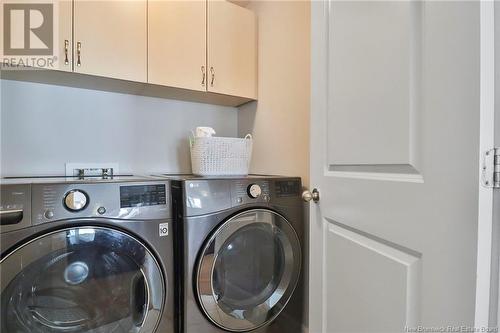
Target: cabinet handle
point(203, 75)
point(66, 47)
point(79, 53)
point(212, 71)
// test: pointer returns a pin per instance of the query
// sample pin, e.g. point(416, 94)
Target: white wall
point(279, 120)
point(44, 126)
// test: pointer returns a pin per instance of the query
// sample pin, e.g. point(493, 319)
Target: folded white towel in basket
point(204, 132)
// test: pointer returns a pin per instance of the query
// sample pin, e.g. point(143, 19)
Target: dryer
point(241, 246)
point(92, 255)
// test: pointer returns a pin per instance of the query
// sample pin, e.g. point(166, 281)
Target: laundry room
point(261, 166)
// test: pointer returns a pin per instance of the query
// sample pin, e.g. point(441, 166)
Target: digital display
point(142, 195)
point(287, 188)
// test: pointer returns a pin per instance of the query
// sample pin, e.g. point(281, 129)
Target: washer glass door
point(84, 279)
point(248, 270)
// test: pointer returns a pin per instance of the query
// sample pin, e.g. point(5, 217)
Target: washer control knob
point(101, 210)
point(76, 200)
point(48, 214)
point(254, 191)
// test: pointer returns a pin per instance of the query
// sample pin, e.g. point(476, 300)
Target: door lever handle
point(308, 196)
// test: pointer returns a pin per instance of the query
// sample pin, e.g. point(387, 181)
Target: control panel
point(250, 191)
point(205, 196)
point(287, 188)
point(142, 195)
point(127, 200)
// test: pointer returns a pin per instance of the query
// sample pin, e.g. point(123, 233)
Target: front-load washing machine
point(93, 256)
point(240, 243)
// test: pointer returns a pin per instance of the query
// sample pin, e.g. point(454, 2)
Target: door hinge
point(491, 168)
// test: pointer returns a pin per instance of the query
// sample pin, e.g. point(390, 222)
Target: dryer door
point(248, 270)
point(82, 279)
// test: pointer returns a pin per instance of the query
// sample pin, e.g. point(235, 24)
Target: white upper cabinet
point(177, 44)
point(232, 50)
point(110, 39)
point(197, 50)
point(65, 37)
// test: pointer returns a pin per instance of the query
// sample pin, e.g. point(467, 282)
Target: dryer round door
point(248, 270)
point(82, 279)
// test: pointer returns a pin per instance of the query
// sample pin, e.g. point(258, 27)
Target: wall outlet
point(91, 169)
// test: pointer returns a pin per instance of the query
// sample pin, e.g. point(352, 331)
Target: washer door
point(248, 270)
point(85, 279)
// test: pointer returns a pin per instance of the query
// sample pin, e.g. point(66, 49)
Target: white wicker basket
point(218, 156)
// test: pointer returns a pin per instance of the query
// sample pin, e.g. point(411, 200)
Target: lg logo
point(28, 29)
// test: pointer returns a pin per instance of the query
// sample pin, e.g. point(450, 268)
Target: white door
point(395, 156)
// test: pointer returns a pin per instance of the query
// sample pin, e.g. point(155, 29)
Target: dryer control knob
point(254, 191)
point(76, 200)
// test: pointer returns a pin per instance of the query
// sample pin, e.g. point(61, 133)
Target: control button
point(239, 200)
point(49, 214)
point(254, 191)
point(75, 200)
point(101, 210)
point(266, 197)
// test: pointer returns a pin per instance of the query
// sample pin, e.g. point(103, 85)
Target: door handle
point(66, 47)
point(212, 71)
point(203, 75)
point(79, 53)
point(8, 217)
point(308, 196)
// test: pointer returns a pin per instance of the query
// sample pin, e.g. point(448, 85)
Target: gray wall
point(45, 126)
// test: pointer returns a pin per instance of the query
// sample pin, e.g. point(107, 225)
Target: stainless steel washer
point(86, 256)
point(240, 241)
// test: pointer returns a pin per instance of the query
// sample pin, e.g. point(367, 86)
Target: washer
point(241, 245)
point(86, 255)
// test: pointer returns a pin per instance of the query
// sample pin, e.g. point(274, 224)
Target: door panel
point(62, 11)
point(113, 38)
point(65, 40)
point(232, 49)
point(386, 283)
point(374, 69)
point(394, 153)
point(177, 44)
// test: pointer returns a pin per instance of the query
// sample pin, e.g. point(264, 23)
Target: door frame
point(486, 142)
point(319, 35)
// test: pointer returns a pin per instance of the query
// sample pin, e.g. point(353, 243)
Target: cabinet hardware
point(79, 53)
point(212, 71)
point(203, 75)
point(66, 47)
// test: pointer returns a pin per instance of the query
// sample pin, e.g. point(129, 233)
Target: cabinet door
point(20, 39)
point(177, 44)
point(64, 38)
point(110, 39)
point(232, 56)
